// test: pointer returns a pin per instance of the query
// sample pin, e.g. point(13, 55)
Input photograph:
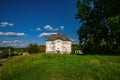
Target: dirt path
point(2, 62)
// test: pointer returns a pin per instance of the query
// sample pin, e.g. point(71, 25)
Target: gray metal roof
point(60, 36)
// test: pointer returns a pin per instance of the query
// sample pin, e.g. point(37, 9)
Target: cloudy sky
point(23, 22)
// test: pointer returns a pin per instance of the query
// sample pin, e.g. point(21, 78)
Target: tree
point(100, 21)
point(114, 32)
point(75, 47)
point(7, 51)
point(42, 48)
point(33, 48)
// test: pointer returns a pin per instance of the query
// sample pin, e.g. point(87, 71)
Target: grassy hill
point(61, 67)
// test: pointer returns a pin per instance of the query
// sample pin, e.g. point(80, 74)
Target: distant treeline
point(11, 51)
point(31, 49)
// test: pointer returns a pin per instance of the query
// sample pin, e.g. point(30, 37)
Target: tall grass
point(61, 67)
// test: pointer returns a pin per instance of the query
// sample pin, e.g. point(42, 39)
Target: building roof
point(58, 36)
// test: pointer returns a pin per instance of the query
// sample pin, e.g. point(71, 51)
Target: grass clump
point(61, 67)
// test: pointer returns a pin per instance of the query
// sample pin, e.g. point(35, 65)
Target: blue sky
point(31, 21)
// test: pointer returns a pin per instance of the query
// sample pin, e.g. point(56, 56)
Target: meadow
point(61, 67)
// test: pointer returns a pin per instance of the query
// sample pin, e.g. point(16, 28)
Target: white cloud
point(56, 29)
point(6, 42)
point(11, 24)
point(20, 34)
point(61, 27)
point(38, 29)
point(11, 42)
point(48, 27)
point(12, 34)
point(2, 33)
point(72, 40)
point(14, 43)
point(24, 44)
point(6, 24)
point(45, 34)
point(76, 41)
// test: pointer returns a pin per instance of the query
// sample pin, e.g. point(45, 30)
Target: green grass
point(61, 67)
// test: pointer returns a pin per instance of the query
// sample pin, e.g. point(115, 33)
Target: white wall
point(58, 46)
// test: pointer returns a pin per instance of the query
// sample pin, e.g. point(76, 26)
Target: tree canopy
point(100, 29)
point(33, 48)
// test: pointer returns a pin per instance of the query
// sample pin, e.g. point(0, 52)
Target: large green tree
point(100, 29)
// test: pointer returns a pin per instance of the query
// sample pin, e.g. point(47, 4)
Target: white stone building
point(58, 43)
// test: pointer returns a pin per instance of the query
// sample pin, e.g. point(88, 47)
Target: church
point(58, 43)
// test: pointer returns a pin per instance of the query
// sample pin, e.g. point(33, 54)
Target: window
point(52, 42)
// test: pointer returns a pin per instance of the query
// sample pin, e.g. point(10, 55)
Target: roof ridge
point(60, 36)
